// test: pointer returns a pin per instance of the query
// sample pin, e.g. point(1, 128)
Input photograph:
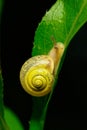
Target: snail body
point(37, 73)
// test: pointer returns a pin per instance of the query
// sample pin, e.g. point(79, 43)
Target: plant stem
point(36, 125)
point(38, 113)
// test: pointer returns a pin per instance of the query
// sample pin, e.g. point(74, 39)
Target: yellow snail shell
point(37, 73)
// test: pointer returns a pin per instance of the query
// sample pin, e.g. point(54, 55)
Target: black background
point(68, 106)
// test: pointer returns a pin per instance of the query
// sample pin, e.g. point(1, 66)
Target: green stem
point(38, 113)
point(36, 125)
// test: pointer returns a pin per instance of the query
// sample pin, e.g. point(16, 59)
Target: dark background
point(68, 106)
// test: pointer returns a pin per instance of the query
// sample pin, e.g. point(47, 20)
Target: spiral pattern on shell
point(37, 78)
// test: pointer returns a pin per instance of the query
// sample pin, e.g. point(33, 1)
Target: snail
point(37, 73)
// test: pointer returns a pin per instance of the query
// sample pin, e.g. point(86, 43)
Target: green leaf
point(12, 120)
point(60, 23)
point(7, 117)
point(1, 97)
point(3, 125)
point(1, 101)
